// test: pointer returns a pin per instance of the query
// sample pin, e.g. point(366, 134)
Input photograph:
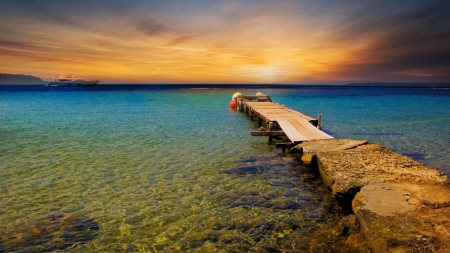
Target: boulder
point(404, 217)
point(400, 205)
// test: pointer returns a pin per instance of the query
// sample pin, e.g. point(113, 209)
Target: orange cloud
point(227, 42)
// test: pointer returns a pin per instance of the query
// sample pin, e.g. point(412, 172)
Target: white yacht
point(65, 80)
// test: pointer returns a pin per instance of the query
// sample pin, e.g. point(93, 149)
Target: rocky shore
point(396, 203)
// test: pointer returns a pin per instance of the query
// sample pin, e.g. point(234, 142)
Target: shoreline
point(397, 203)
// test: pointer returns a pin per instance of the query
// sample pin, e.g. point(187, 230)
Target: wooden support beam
point(258, 97)
point(285, 145)
point(267, 133)
point(270, 126)
point(282, 146)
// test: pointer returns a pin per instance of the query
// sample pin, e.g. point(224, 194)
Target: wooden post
point(319, 123)
point(282, 146)
point(259, 121)
point(239, 105)
point(271, 126)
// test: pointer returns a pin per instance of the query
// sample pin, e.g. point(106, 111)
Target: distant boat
point(67, 80)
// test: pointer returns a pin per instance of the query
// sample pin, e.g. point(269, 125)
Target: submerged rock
point(265, 249)
point(248, 170)
point(56, 232)
point(342, 237)
point(249, 200)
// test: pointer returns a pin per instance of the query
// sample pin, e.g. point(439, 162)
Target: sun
point(267, 73)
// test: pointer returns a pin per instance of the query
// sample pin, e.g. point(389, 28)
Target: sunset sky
point(189, 41)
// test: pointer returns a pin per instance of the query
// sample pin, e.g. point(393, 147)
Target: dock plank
point(297, 126)
point(291, 132)
point(299, 130)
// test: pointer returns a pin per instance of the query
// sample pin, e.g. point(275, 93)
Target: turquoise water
point(411, 121)
point(174, 169)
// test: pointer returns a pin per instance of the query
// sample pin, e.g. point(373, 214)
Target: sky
point(246, 41)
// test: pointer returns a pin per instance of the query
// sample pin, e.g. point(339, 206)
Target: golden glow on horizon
point(274, 43)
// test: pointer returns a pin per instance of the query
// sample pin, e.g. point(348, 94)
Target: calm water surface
point(174, 169)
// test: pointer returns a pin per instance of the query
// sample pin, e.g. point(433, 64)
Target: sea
point(171, 168)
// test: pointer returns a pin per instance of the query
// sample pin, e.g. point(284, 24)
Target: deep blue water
point(164, 168)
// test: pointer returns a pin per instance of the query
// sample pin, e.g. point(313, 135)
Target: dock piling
point(319, 121)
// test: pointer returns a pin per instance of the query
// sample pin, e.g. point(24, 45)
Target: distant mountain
point(19, 79)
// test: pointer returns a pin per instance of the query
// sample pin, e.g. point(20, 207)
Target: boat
point(67, 80)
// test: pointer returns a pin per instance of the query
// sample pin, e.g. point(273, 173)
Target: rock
point(357, 242)
point(312, 147)
point(345, 172)
point(56, 232)
point(400, 205)
point(344, 236)
point(348, 225)
point(265, 249)
point(405, 217)
point(260, 230)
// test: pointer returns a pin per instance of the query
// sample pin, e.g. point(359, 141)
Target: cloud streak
point(226, 42)
point(403, 44)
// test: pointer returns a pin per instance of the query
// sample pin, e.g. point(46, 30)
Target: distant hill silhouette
point(19, 79)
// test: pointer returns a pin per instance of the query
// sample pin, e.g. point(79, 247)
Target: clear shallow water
point(167, 169)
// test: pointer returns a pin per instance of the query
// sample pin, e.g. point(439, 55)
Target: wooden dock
point(278, 120)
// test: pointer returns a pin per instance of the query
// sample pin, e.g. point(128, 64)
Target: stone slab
point(312, 147)
point(403, 217)
point(344, 172)
point(400, 204)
